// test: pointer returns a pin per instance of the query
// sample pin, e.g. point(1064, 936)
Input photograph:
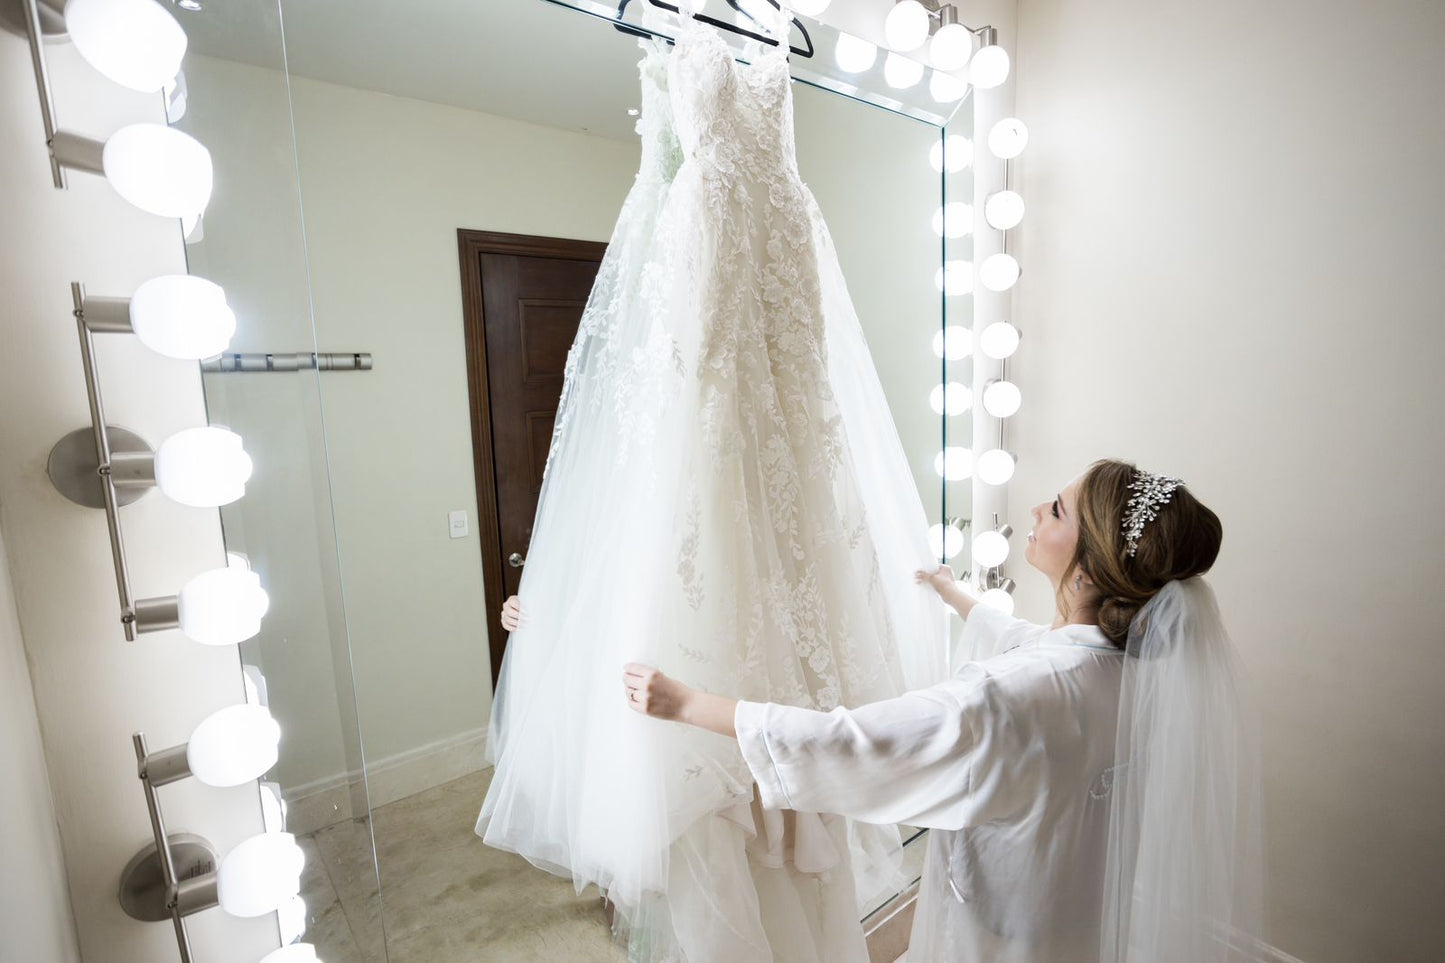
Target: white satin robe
point(1008, 762)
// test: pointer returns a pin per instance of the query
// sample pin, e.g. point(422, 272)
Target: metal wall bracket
point(52, 20)
point(269, 361)
point(144, 894)
point(74, 469)
point(175, 876)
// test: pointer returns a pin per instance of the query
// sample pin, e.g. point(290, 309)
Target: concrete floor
point(448, 897)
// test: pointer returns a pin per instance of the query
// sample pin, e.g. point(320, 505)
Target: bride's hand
point(511, 614)
point(939, 580)
point(651, 693)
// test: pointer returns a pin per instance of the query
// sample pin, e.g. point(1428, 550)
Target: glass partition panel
point(235, 98)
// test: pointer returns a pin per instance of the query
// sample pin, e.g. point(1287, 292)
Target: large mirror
point(422, 196)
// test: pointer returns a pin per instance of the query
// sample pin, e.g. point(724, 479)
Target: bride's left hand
point(653, 694)
point(940, 579)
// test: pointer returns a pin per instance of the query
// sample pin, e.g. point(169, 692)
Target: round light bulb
point(273, 807)
point(994, 467)
point(953, 342)
point(1003, 210)
point(296, 952)
point(900, 72)
point(233, 746)
point(255, 684)
point(954, 152)
point(990, 549)
point(999, 340)
point(998, 599)
point(998, 272)
point(182, 317)
point(950, 46)
point(950, 399)
point(291, 921)
point(193, 228)
point(955, 277)
point(159, 169)
point(203, 467)
point(1001, 398)
point(222, 607)
point(809, 8)
point(176, 94)
point(260, 875)
point(135, 43)
point(906, 26)
point(953, 464)
point(1008, 138)
point(989, 67)
point(945, 541)
point(946, 88)
point(954, 219)
point(854, 54)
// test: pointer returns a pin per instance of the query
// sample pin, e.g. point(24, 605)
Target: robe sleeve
point(903, 760)
point(987, 632)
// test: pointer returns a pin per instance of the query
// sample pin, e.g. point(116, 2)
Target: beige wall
point(91, 688)
point(386, 182)
point(35, 913)
point(1231, 269)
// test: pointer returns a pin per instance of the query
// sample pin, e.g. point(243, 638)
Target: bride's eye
point(1055, 508)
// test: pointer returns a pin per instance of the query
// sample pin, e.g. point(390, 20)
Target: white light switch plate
point(457, 523)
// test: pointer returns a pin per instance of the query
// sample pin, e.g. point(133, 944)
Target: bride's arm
point(900, 760)
point(654, 694)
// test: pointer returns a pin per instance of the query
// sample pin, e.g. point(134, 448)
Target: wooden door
point(522, 299)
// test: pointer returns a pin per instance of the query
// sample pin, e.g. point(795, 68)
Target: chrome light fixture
point(107, 467)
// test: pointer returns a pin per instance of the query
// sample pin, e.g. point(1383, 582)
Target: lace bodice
point(732, 118)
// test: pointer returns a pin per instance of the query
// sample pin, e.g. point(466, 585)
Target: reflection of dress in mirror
point(726, 498)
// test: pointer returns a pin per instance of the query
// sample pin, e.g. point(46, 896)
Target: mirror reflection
point(644, 335)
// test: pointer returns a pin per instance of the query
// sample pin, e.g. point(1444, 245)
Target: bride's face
point(1056, 533)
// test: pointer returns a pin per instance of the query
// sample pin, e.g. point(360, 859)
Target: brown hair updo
point(1182, 541)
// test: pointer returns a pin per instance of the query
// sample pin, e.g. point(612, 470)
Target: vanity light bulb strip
point(163, 171)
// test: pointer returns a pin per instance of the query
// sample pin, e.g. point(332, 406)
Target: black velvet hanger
point(720, 24)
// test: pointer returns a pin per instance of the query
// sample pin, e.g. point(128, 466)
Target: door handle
point(516, 560)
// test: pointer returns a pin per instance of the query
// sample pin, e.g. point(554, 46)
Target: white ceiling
point(533, 60)
point(526, 59)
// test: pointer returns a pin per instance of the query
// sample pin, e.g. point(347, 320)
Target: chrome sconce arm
point(35, 31)
point(109, 473)
point(117, 469)
point(106, 467)
point(176, 876)
point(68, 150)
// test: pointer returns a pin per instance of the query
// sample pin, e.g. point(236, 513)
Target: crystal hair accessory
point(1150, 492)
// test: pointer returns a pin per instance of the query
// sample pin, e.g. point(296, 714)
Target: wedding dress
point(725, 498)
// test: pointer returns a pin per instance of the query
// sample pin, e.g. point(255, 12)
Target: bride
point(725, 498)
point(1092, 786)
